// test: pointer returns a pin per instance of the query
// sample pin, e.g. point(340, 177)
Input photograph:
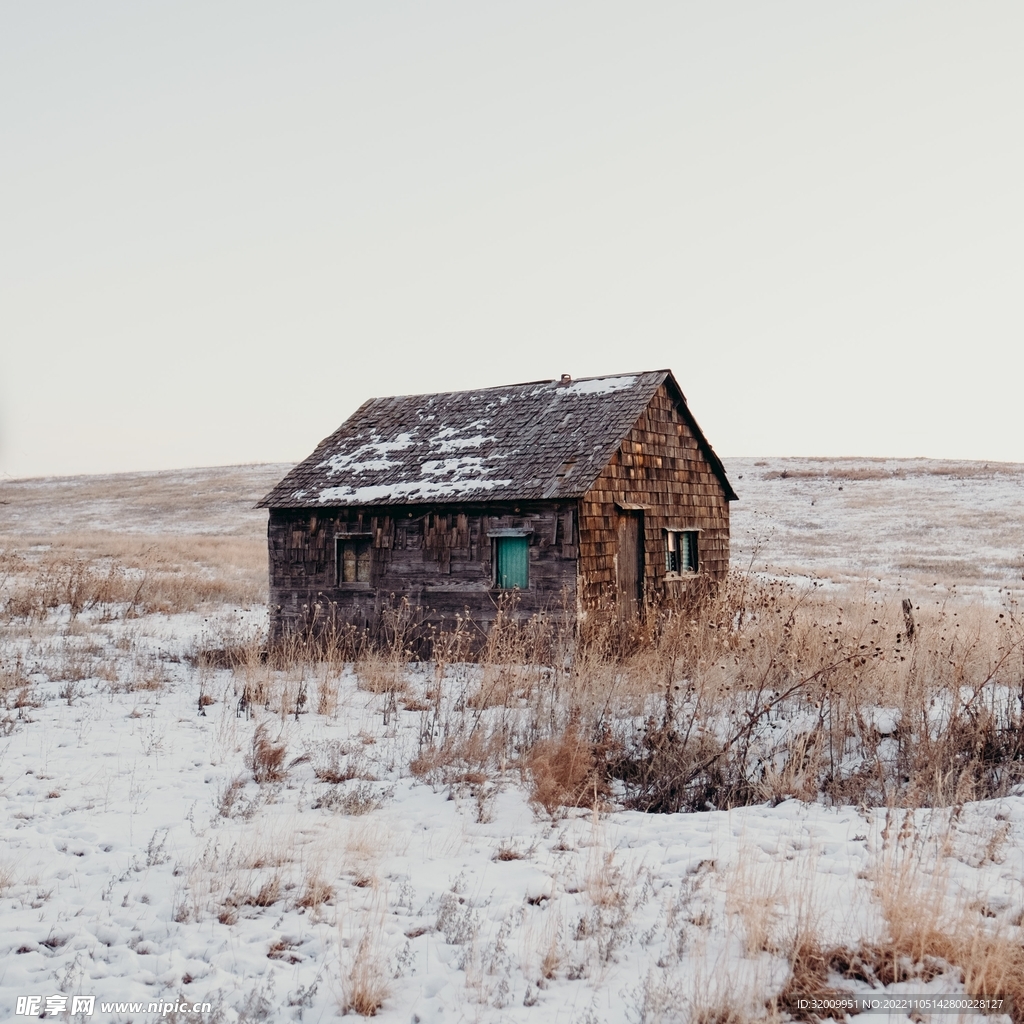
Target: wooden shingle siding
point(661, 467)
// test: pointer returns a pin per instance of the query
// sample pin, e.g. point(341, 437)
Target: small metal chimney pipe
point(566, 379)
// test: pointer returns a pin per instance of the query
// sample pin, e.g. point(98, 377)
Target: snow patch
point(599, 386)
point(369, 456)
point(457, 443)
point(409, 489)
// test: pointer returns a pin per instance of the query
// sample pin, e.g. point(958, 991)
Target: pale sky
point(225, 225)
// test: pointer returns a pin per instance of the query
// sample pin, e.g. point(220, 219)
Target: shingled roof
point(545, 439)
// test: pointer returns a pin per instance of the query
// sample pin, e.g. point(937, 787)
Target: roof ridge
point(518, 384)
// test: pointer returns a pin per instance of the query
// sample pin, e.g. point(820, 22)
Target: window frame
point(682, 544)
point(358, 539)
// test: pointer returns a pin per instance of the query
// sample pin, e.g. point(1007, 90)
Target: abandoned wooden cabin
point(575, 494)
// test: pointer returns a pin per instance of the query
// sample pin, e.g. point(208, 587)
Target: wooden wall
point(659, 466)
point(440, 558)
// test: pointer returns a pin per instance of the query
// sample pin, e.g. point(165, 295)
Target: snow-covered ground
point(913, 523)
point(139, 850)
point(208, 501)
point(143, 863)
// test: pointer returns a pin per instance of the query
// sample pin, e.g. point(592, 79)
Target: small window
point(512, 559)
point(681, 551)
point(354, 557)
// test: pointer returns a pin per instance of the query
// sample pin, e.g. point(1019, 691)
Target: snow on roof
point(596, 386)
point(544, 439)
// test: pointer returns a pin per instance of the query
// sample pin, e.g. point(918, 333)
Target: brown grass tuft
point(267, 894)
point(566, 771)
point(266, 758)
point(316, 891)
point(365, 984)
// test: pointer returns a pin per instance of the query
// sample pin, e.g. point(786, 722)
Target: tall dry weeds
point(796, 693)
point(125, 577)
point(763, 691)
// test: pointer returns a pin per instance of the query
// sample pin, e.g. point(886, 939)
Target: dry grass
point(472, 756)
point(566, 771)
point(257, 870)
point(124, 577)
point(755, 898)
point(266, 758)
point(231, 803)
point(929, 924)
point(361, 798)
point(931, 929)
point(766, 691)
point(989, 965)
point(365, 983)
point(316, 890)
point(876, 469)
point(683, 712)
point(335, 761)
point(382, 671)
point(824, 668)
point(217, 501)
point(15, 684)
point(267, 894)
point(510, 850)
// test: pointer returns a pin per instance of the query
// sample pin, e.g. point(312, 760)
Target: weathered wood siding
point(440, 559)
point(660, 467)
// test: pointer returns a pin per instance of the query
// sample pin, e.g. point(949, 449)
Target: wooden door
point(629, 566)
point(513, 563)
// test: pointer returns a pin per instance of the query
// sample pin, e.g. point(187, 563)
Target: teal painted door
point(513, 562)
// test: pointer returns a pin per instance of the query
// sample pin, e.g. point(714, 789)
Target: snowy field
point(909, 523)
point(185, 823)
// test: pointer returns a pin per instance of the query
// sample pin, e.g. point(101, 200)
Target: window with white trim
point(681, 556)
